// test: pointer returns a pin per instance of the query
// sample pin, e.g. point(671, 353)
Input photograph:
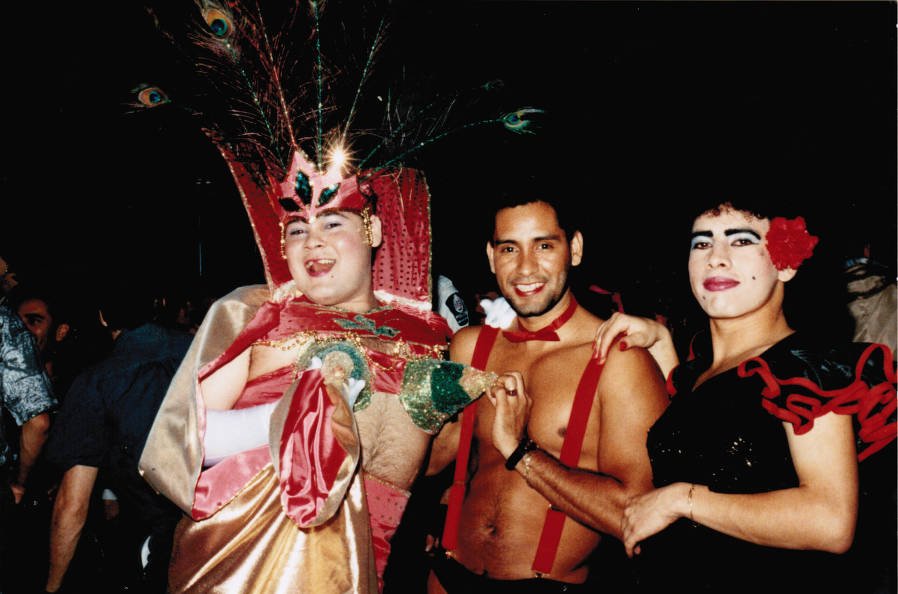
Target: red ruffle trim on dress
point(805, 401)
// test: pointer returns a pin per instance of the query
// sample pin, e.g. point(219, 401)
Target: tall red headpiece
point(259, 100)
point(402, 262)
point(306, 192)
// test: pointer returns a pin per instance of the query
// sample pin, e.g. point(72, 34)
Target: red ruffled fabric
point(798, 400)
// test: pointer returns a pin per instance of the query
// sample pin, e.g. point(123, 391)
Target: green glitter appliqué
point(303, 187)
point(359, 366)
point(328, 193)
point(431, 392)
point(360, 322)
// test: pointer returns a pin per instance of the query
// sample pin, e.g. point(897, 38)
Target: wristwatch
point(525, 445)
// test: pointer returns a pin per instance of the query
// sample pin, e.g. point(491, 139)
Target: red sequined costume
point(301, 515)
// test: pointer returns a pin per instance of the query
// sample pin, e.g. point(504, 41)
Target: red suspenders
point(570, 454)
point(482, 349)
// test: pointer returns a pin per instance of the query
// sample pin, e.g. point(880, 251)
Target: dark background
point(643, 100)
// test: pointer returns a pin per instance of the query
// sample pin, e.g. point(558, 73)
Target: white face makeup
point(729, 268)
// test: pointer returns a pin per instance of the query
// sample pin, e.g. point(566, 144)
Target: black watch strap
point(525, 445)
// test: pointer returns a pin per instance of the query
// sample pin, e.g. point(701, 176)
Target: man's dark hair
point(56, 305)
point(127, 304)
point(526, 188)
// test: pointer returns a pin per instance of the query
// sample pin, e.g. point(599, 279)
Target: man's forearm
point(593, 499)
point(69, 516)
point(64, 535)
point(31, 442)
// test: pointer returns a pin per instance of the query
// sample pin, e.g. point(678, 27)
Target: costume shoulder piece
point(802, 384)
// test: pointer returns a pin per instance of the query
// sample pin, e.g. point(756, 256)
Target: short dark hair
point(761, 189)
point(126, 304)
point(56, 304)
point(527, 188)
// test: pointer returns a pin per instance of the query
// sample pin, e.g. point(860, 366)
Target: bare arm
point(819, 514)
point(31, 442)
point(444, 448)
point(631, 397)
point(445, 445)
point(222, 389)
point(69, 515)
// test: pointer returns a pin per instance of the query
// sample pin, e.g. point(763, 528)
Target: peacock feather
point(303, 76)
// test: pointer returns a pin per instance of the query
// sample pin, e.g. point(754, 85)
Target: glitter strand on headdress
point(241, 103)
point(319, 78)
point(276, 75)
point(372, 51)
point(257, 115)
point(512, 122)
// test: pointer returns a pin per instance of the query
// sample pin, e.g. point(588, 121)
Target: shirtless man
point(524, 425)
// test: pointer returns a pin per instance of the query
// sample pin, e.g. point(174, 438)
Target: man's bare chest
point(551, 382)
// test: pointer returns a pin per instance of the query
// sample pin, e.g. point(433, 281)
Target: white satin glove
point(499, 313)
point(229, 432)
point(351, 390)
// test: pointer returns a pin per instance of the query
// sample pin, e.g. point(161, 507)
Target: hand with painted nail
point(512, 411)
point(650, 513)
point(633, 331)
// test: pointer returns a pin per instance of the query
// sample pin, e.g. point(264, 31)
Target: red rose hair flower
point(789, 243)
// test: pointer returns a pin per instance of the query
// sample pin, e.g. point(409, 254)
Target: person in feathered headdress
point(305, 408)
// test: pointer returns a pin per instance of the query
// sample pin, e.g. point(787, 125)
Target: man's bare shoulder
point(461, 347)
point(634, 367)
point(633, 358)
point(579, 343)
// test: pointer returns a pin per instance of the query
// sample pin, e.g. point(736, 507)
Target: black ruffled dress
point(728, 434)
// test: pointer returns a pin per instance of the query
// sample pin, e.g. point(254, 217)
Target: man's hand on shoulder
point(621, 332)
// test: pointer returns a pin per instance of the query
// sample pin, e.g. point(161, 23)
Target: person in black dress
point(771, 437)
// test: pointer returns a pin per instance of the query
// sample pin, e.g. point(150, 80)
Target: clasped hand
point(652, 512)
point(512, 405)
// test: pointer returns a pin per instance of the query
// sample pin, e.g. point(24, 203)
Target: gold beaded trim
point(283, 239)
point(366, 225)
point(400, 348)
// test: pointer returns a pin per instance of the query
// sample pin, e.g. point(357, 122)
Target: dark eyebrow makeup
point(729, 232)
